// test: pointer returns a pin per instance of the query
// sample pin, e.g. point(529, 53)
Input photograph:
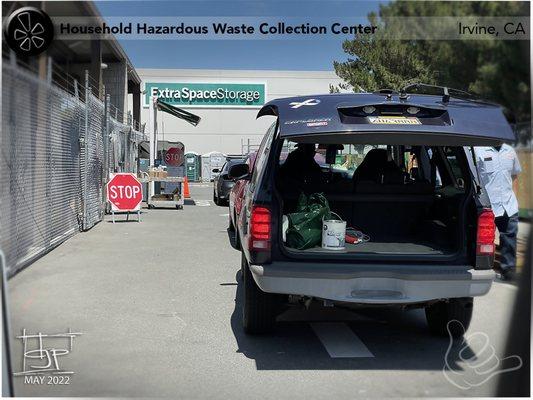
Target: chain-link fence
point(92, 170)
point(54, 164)
point(123, 146)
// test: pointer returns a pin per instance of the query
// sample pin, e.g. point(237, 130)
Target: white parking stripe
point(339, 340)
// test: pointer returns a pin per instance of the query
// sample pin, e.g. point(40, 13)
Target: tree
point(497, 70)
point(379, 63)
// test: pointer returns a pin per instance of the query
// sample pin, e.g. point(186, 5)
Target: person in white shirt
point(498, 169)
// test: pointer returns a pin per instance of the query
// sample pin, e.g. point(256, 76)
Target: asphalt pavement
point(157, 305)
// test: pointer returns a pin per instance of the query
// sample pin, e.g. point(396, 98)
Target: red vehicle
point(235, 200)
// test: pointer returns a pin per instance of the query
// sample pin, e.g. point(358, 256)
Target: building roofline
point(223, 72)
point(115, 45)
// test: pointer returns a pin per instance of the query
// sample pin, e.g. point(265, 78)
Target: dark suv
point(222, 184)
point(399, 171)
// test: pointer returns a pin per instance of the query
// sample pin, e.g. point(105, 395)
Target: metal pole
point(49, 152)
point(129, 142)
point(125, 152)
point(106, 150)
point(49, 70)
point(86, 148)
point(153, 139)
point(151, 131)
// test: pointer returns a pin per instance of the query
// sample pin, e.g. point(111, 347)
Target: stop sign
point(124, 192)
point(174, 156)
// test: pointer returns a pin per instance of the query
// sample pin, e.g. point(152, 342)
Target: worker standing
point(498, 168)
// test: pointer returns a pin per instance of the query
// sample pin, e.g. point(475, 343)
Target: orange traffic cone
point(186, 193)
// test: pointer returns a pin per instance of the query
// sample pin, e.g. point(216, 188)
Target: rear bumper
point(372, 284)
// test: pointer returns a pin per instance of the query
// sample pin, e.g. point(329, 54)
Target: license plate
point(394, 120)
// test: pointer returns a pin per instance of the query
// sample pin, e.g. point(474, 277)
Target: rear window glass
point(439, 166)
point(346, 159)
point(229, 164)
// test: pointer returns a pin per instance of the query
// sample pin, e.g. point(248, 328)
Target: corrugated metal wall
point(52, 164)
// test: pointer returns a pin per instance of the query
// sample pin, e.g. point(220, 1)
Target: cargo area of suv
point(404, 200)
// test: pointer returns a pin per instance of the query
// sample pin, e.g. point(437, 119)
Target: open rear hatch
point(416, 220)
point(376, 119)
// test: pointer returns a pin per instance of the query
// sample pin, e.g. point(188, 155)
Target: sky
point(310, 54)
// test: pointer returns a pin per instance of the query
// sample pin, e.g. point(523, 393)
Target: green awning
point(178, 112)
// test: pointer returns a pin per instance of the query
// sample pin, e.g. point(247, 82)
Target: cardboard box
point(157, 173)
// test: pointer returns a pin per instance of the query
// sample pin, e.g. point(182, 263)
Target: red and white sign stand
point(124, 193)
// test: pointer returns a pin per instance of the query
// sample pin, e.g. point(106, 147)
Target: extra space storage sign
point(240, 95)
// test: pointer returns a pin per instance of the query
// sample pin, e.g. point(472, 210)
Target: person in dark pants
point(508, 228)
point(498, 169)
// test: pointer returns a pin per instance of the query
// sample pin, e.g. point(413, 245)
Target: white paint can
point(333, 234)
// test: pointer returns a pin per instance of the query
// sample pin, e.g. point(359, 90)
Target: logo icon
point(29, 31)
point(43, 359)
point(464, 370)
point(308, 102)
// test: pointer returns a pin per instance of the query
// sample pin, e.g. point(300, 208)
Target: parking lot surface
point(158, 304)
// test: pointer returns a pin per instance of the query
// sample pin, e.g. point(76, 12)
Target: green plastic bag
point(305, 225)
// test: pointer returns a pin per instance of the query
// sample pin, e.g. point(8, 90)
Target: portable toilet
point(212, 164)
point(193, 161)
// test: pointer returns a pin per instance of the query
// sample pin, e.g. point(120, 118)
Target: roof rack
point(446, 92)
point(387, 92)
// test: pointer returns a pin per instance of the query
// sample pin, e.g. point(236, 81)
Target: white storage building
point(226, 100)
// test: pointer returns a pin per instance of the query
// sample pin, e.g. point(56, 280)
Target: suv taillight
point(260, 230)
point(486, 232)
